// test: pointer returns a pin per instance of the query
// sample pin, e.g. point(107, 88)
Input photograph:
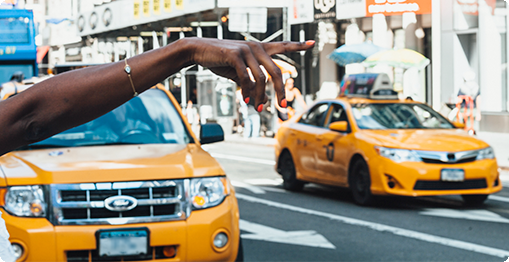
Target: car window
point(338, 113)
point(146, 119)
point(315, 116)
point(398, 116)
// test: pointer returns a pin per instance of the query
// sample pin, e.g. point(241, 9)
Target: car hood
point(107, 164)
point(451, 140)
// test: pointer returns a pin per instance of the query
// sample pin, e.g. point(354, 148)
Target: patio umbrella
point(356, 53)
point(400, 58)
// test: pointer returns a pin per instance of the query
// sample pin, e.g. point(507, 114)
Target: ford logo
point(120, 203)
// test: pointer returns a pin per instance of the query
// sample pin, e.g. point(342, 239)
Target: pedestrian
point(250, 116)
point(76, 97)
point(193, 118)
point(292, 94)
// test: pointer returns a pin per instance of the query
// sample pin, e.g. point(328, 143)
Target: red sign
point(397, 7)
point(471, 7)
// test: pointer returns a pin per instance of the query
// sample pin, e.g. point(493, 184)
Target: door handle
point(292, 133)
point(319, 137)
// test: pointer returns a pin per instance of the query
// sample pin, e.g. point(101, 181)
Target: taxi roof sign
point(368, 85)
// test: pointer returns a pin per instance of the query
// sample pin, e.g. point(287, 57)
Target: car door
point(304, 134)
point(333, 149)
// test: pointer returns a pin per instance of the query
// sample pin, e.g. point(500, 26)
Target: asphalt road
point(323, 223)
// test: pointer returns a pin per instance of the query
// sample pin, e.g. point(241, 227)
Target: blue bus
point(18, 52)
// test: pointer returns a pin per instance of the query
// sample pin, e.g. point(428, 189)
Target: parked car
point(132, 185)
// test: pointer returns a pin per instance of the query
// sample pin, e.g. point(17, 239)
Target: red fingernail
point(246, 100)
point(283, 103)
point(260, 108)
point(310, 42)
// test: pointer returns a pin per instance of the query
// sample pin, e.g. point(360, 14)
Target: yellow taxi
point(132, 185)
point(376, 144)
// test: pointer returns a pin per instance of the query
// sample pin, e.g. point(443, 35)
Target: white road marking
point(304, 238)
point(481, 215)
point(384, 228)
point(253, 189)
point(244, 159)
point(254, 185)
point(273, 189)
point(498, 198)
point(264, 181)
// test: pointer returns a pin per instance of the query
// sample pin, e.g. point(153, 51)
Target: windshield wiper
point(105, 143)
point(40, 146)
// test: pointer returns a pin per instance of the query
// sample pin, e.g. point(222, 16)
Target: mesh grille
point(441, 185)
point(154, 199)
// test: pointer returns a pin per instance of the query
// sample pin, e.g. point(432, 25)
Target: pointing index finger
point(286, 47)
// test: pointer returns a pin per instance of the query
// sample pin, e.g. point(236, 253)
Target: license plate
point(123, 242)
point(452, 175)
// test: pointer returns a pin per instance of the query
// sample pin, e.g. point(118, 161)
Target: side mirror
point(210, 133)
point(459, 125)
point(341, 126)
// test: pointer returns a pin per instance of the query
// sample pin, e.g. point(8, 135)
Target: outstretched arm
point(76, 97)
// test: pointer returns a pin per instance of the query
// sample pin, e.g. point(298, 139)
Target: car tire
point(360, 183)
point(474, 200)
point(240, 252)
point(290, 181)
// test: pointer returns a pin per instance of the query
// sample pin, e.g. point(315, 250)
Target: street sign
point(300, 12)
point(346, 9)
point(252, 19)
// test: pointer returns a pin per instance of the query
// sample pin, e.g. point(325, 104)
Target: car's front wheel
point(474, 200)
point(360, 183)
point(287, 170)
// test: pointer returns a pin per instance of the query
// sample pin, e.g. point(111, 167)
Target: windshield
point(398, 116)
point(146, 119)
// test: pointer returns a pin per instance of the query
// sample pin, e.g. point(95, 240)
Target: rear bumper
point(192, 237)
point(422, 179)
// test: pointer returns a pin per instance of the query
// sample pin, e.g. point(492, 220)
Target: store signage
point(136, 9)
point(346, 9)
point(325, 9)
point(471, 7)
point(300, 12)
point(107, 16)
point(127, 13)
point(179, 4)
point(146, 8)
point(167, 6)
point(251, 19)
point(397, 7)
point(253, 3)
point(157, 7)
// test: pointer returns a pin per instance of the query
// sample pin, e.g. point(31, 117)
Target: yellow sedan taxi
point(375, 144)
point(132, 185)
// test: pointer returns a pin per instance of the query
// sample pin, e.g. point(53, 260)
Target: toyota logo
point(120, 203)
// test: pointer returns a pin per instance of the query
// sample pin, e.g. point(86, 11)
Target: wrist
point(184, 51)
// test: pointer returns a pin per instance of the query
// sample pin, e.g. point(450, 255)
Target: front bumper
point(192, 237)
point(423, 179)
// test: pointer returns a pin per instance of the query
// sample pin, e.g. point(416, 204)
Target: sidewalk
point(498, 141)
point(238, 138)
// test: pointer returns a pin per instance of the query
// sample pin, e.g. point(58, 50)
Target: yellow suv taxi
point(376, 144)
point(132, 185)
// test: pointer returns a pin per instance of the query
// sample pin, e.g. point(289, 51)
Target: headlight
point(398, 155)
point(486, 153)
point(208, 192)
point(25, 201)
